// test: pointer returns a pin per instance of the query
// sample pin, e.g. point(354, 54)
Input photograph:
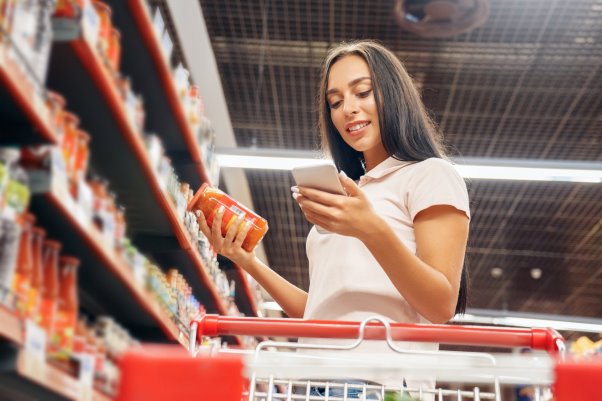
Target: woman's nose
point(350, 106)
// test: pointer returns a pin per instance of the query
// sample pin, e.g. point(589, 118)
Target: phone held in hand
point(324, 177)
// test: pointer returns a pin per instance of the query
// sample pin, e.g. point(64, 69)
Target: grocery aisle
point(105, 136)
point(97, 250)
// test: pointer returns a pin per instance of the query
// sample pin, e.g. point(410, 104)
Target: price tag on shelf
point(34, 349)
point(86, 376)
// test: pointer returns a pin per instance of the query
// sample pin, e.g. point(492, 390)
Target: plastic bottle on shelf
point(37, 274)
point(104, 32)
point(68, 305)
point(22, 278)
point(114, 50)
point(50, 288)
point(209, 200)
point(69, 142)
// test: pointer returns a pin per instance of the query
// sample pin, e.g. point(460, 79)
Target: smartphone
point(324, 177)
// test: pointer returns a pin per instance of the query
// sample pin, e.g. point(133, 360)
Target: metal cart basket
point(282, 370)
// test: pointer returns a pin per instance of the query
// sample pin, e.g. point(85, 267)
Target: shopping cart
point(276, 370)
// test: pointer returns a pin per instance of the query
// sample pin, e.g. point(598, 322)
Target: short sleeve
point(436, 182)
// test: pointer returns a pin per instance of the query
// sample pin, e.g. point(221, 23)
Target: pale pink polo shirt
point(346, 282)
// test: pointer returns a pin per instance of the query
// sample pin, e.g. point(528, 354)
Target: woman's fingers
point(242, 234)
point(200, 218)
point(233, 229)
point(216, 229)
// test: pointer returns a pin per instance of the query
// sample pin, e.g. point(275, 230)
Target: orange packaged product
point(104, 30)
point(68, 8)
point(81, 156)
point(68, 305)
point(209, 200)
point(22, 278)
point(50, 289)
point(69, 142)
point(56, 105)
point(114, 49)
point(37, 274)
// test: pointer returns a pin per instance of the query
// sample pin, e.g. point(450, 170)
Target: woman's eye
point(335, 105)
point(365, 93)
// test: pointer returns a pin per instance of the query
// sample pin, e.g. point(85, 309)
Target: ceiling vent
point(440, 18)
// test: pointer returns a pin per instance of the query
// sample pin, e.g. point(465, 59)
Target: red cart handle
point(535, 338)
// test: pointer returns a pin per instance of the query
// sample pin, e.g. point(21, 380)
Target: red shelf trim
point(145, 26)
point(23, 94)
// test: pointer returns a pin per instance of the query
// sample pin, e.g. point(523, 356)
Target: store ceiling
point(527, 84)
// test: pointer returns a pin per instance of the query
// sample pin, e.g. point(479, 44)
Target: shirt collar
point(386, 167)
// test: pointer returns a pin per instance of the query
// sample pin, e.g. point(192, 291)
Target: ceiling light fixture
point(474, 168)
point(535, 320)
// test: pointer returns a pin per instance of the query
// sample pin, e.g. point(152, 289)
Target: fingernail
point(343, 174)
point(296, 195)
point(220, 210)
point(295, 189)
point(198, 213)
point(240, 217)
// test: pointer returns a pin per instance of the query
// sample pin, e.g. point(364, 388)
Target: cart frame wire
point(231, 374)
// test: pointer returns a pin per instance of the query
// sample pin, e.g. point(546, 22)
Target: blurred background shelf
point(143, 59)
point(119, 154)
point(19, 380)
point(106, 283)
point(23, 115)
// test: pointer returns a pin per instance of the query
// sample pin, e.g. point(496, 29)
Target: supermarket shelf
point(143, 59)
point(24, 116)
point(10, 325)
point(19, 380)
point(119, 154)
point(105, 280)
point(247, 292)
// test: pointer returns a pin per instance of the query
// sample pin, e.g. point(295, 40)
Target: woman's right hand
point(229, 245)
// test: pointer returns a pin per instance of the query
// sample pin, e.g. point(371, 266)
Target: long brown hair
point(407, 131)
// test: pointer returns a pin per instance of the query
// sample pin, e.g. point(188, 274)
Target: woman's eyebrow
point(351, 83)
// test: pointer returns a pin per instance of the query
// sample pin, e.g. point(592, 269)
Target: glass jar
point(114, 50)
point(81, 156)
point(50, 289)
point(209, 200)
point(56, 105)
point(22, 278)
point(68, 305)
point(69, 143)
point(104, 30)
point(37, 274)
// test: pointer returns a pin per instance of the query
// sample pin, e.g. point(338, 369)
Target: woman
point(397, 240)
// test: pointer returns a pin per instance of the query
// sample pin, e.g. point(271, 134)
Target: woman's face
point(353, 108)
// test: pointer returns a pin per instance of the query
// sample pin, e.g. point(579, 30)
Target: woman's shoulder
point(434, 165)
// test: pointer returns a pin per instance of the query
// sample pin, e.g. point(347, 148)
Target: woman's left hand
point(350, 215)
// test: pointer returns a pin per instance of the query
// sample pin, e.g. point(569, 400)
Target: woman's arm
point(291, 298)
point(429, 280)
